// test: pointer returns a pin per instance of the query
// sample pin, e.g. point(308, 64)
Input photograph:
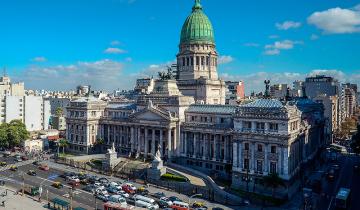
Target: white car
point(101, 191)
point(167, 200)
point(123, 194)
point(115, 185)
point(74, 179)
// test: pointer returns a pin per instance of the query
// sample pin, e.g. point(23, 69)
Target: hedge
point(171, 177)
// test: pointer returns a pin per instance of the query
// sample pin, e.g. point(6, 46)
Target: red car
point(44, 167)
point(74, 184)
point(127, 189)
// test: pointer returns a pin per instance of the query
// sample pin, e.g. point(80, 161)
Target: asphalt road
point(345, 177)
point(47, 178)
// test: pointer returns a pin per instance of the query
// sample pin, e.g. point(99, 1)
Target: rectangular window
point(273, 126)
point(259, 148)
point(260, 126)
point(273, 149)
point(273, 167)
point(246, 164)
point(183, 61)
point(192, 61)
point(259, 166)
point(197, 60)
point(187, 61)
point(246, 146)
point(207, 61)
point(247, 125)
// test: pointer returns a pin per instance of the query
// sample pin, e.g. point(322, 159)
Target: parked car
point(3, 164)
point(124, 194)
point(89, 188)
point(103, 180)
point(31, 173)
point(36, 163)
point(174, 198)
point(142, 191)
point(74, 178)
point(58, 185)
point(159, 195)
point(112, 190)
point(84, 181)
point(117, 199)
point(44, 167)
point(131, 186)
point(104, 198)
point(24, 158)
point(127, 189)
point(74, 184)
point(166, 200)
point(13, 168)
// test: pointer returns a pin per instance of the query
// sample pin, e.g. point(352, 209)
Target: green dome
point(197, 27)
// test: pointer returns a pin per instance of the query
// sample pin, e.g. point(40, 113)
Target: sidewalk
point(18, 202)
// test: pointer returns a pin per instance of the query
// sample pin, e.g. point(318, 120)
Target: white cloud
point(114, 50)
point(39, 59)
point(337, 20)
point(272, 52)
point(287, 25)
point(128, 59)
point(224, 59)
point(251, 44)
point(115, 43)
point(103, 74)
point(273, 37)
point(276, 47)
point(314, 37)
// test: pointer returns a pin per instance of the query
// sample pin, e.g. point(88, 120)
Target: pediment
point(151, 115)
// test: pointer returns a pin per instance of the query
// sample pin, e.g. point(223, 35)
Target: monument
point(157, 168)
point(111, 159)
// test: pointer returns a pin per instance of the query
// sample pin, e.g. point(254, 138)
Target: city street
point(345, 177)
point(81, 198)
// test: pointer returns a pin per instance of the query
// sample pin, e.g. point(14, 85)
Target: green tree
point(4, 135)
point(274, 181)
point(59, 112)
point(63, 143)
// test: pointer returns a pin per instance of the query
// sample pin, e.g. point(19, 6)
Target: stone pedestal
point(111, 159)
point(157, 168)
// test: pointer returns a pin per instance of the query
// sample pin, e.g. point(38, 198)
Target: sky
point(59, 44)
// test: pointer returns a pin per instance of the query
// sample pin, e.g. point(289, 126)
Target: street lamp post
point(195, 195)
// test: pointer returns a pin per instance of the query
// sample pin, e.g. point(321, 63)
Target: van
point(143, 204)
point(146, 199)
point(118, 199)
point(177, 205)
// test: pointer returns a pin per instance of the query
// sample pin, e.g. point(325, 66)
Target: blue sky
point(57, 44)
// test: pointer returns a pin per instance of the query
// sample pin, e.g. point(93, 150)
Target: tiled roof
point(221, 109)
point(121, 106)
point(264, 103)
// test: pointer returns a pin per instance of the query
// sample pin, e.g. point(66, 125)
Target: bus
point(342, 199)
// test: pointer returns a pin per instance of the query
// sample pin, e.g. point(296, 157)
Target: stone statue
point(158, 154)
point(112, 150)
point(166, 76)
point(267, 88)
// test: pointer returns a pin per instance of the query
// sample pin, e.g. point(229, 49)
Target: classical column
point(138, 140)
point(205, 137)
point(215, 147)
point(132, 141)
point(146, 142)
point(194, 145)
point(108, 135)
point(169, 146)
point(226, 149)
point(161, 142)
point(185, 143)
point(177, 141)
point(252, 156)
point(153, 142)
point(240, 157)
point(235, 155)
point(266, 161)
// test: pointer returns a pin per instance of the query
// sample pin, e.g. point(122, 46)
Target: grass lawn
point(174, 178)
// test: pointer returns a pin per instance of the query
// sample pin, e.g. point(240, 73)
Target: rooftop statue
point(166, 76)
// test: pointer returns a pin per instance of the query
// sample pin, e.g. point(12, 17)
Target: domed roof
point(197, 27)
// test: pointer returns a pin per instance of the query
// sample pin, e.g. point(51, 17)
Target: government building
point(187, 117)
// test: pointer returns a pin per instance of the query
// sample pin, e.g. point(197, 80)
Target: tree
point(63, 143)
point(59, 112)
point(274, 181)
point(99, 143)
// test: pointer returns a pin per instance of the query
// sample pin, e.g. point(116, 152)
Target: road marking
point(332, 198)
point(66, 195)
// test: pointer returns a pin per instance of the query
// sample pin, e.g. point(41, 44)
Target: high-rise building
point(9, 88)
point(320, 85)
point(234, 92)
